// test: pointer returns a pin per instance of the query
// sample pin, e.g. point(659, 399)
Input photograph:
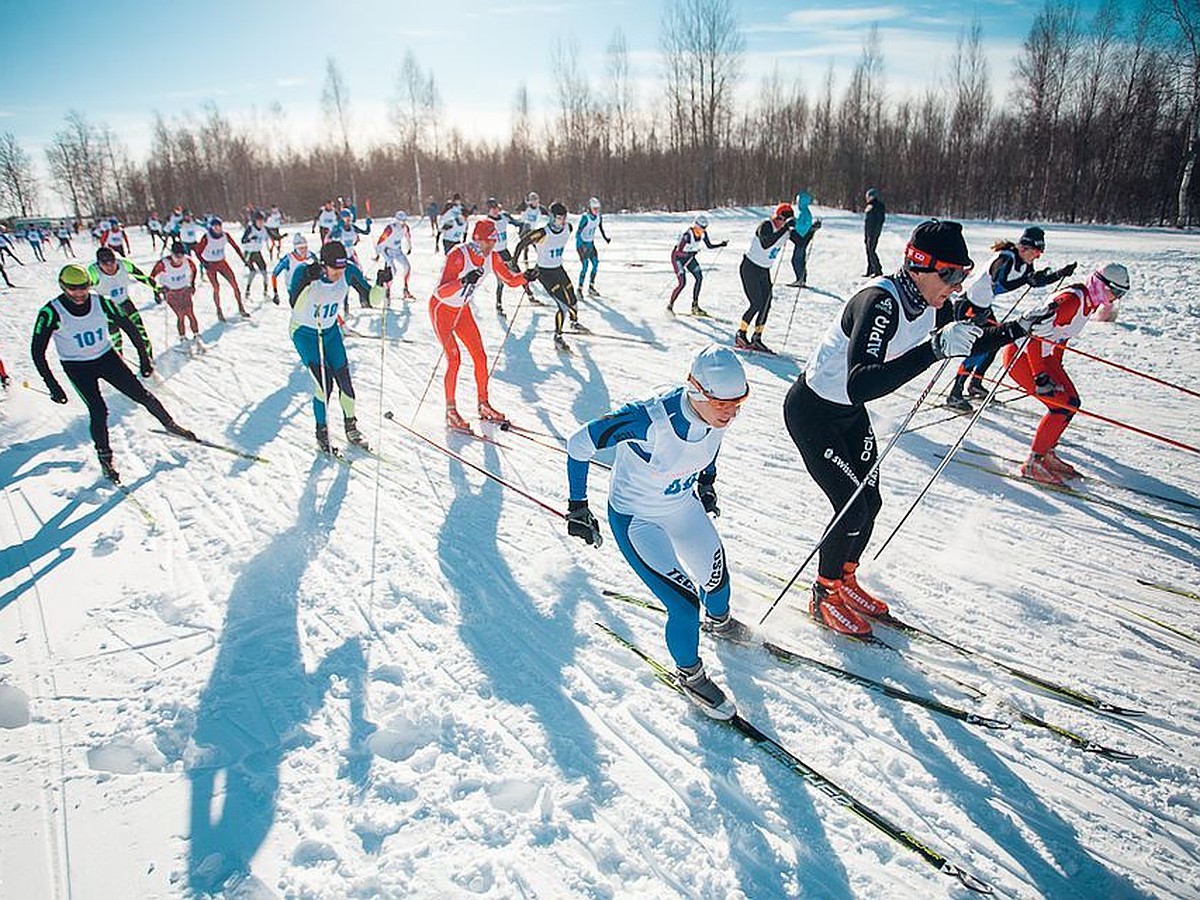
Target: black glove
point(582, 524)
point(471, 277)
point(723, 244)
point(383, 276)
point(816, 224)
point(1044, 385)
point(275, 298)
point(531, 274)
point(1066, 271)
point(158, 295)
point(57, 394)
point(364, 300)
point(707, 492)
point(146, 367)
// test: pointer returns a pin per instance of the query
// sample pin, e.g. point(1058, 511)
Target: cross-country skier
point(502, 220)
point(171, 227)
point(530, 214)
point(78, 320)
point(190, 231)
point(873, 217)
point(274, 224)
point(325, 219)
point(1011, 269)
point(34, 236)
point(175, 275)
point(154, 228)
point(431, 213)
point(115, 238)
point(888, 333)
point(211, 253)
point(660, 498)
point(63, 233)
point(453, 320)
point(683, 261)
point(755, 272)
point(346, 232)
point(254, 238)
point(6, 246)
point(1039, 369)
point(806, 228)
point(452, 224)
point(316, 294)
point(585, 244)
point(394, 245)
point(550, 240)
point(287, 265)
point(112, 279)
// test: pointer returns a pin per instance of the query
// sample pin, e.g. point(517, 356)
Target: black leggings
point(838, 448)
point(756, 282)
point(86, 376)
point(508, 260)
point(683, 265)
point(556, 282)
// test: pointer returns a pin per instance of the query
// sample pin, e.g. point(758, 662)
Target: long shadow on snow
point(1025, 827)
point(259, 696)
point(819, 871)
point(256, 427)
point(1039, 500)
point(518, 368)
point(522, 652)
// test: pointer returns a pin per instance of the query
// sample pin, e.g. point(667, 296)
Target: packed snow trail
point(204, 690)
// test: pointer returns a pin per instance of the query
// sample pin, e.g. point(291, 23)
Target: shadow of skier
point(259, 695)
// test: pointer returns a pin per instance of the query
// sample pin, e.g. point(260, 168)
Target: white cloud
point(290, 82)
point(834, 16)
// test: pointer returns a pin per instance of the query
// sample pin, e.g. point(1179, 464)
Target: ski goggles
point(1118, 291)
point(951, 274)
point(720, 404)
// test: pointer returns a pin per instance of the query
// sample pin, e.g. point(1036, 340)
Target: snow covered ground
point(305, 679)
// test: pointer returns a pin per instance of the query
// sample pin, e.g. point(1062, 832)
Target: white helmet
point(701, 221)
point(1115, 277)
point(401, 216)
point(594, 203)
point(299, 240)
point(718, 373)
point(532, 198)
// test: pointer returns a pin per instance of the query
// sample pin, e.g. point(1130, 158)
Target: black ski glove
point(582, 524)
point(383, 276)
point(57, 394)
point(707, 492)
point(531, 274)
point(471, 277)
point(1066, 271)
point(146, 367)
point(1044, 385)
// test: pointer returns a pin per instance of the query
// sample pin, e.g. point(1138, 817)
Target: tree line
point(1099, 122)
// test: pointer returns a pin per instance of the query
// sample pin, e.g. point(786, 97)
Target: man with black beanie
point(874, 214)
point(887, 334)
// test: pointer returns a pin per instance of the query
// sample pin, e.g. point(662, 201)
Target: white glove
point(1038, 316)
point(955, 339)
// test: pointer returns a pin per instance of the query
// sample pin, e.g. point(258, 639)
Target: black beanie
point(935, 241)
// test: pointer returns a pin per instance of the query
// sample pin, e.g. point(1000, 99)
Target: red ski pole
point(1131, 371)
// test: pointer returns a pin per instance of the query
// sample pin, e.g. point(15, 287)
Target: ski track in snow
point(378, 677)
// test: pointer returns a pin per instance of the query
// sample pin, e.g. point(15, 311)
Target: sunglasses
point(720, 404)
point(952, 276)
point(1117, 291)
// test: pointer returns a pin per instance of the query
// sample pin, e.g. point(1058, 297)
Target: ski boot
point(220, 314)
point(1035, 469)
point(828, 606)
point(353, 435)
point(323, 439)
point(489, 413)
point(697, 311)
point(727, 627)
point(560, 343)
point(179, 431)
point(455, 422)
point(958, 403)
point(741, 341)
point(704, 692)
point(1058, 466)
point(976, 388)
point(592, 292)
point(757, 344)
point(857, 597)
point(107, 467)
point(579, 328)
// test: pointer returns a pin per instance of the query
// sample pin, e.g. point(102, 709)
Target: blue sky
point(121, 61)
